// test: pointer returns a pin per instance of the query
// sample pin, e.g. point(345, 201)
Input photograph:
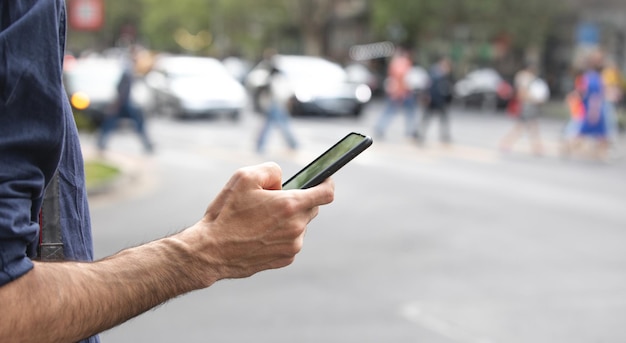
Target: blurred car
point(187, 86)
point(91, 85)
point(360, 74)
point(237, 67)
point(483, 87)
point(320, 87)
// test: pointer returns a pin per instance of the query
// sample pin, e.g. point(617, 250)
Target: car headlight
point(363, 93)
point(80, 100)
point(303, 96)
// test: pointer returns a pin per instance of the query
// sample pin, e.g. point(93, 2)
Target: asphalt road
point(422, 244)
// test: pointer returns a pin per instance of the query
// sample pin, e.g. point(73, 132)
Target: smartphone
point(329, 162)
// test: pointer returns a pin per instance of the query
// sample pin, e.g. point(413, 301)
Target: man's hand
point(252, 225)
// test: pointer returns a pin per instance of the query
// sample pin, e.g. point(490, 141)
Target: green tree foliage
point(312, 18)
point(246, 27)
point(227, 26)
point(498, 33)
point(409, 22)
point(233, 26)
point(165, 22)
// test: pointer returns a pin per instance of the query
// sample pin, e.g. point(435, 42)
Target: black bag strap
point(51, 240)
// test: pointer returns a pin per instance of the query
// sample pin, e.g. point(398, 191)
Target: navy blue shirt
point(38, 137)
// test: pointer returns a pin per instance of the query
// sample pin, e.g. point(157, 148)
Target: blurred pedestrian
point(399, 95)
point(530, 92)
point(612, 79)
point(124, 108)
point(576, 109)
point(593, 124)
point(278, 113)
point(438, 99)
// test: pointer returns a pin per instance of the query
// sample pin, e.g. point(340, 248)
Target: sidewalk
point(131, 168)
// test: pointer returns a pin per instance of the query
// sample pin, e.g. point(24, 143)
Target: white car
point(484, 87)
point(320, 87)
point(188, 86)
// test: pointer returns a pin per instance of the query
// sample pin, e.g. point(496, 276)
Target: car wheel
point(234, 116)
point(168, 109)
point(179, 113)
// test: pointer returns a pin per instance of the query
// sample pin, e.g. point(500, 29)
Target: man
point(250, 226)
point(439, 97)
point(123, 106)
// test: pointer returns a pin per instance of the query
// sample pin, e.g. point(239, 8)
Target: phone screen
point(329, 162)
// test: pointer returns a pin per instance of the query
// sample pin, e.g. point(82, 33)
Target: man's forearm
point(68, 301)
point(248, 228)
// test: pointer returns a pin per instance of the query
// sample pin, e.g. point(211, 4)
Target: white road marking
point(415, 313)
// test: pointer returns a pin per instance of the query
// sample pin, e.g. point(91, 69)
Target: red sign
point(86, 14)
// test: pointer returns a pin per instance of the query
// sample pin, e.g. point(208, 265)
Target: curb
point(128, 167)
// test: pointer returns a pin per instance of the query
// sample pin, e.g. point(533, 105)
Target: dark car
point(320, 87)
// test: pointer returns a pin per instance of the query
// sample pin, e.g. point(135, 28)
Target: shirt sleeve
point(31, 125)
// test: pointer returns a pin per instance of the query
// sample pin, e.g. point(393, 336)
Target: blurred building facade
point(603, 23)
point(590, 24)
